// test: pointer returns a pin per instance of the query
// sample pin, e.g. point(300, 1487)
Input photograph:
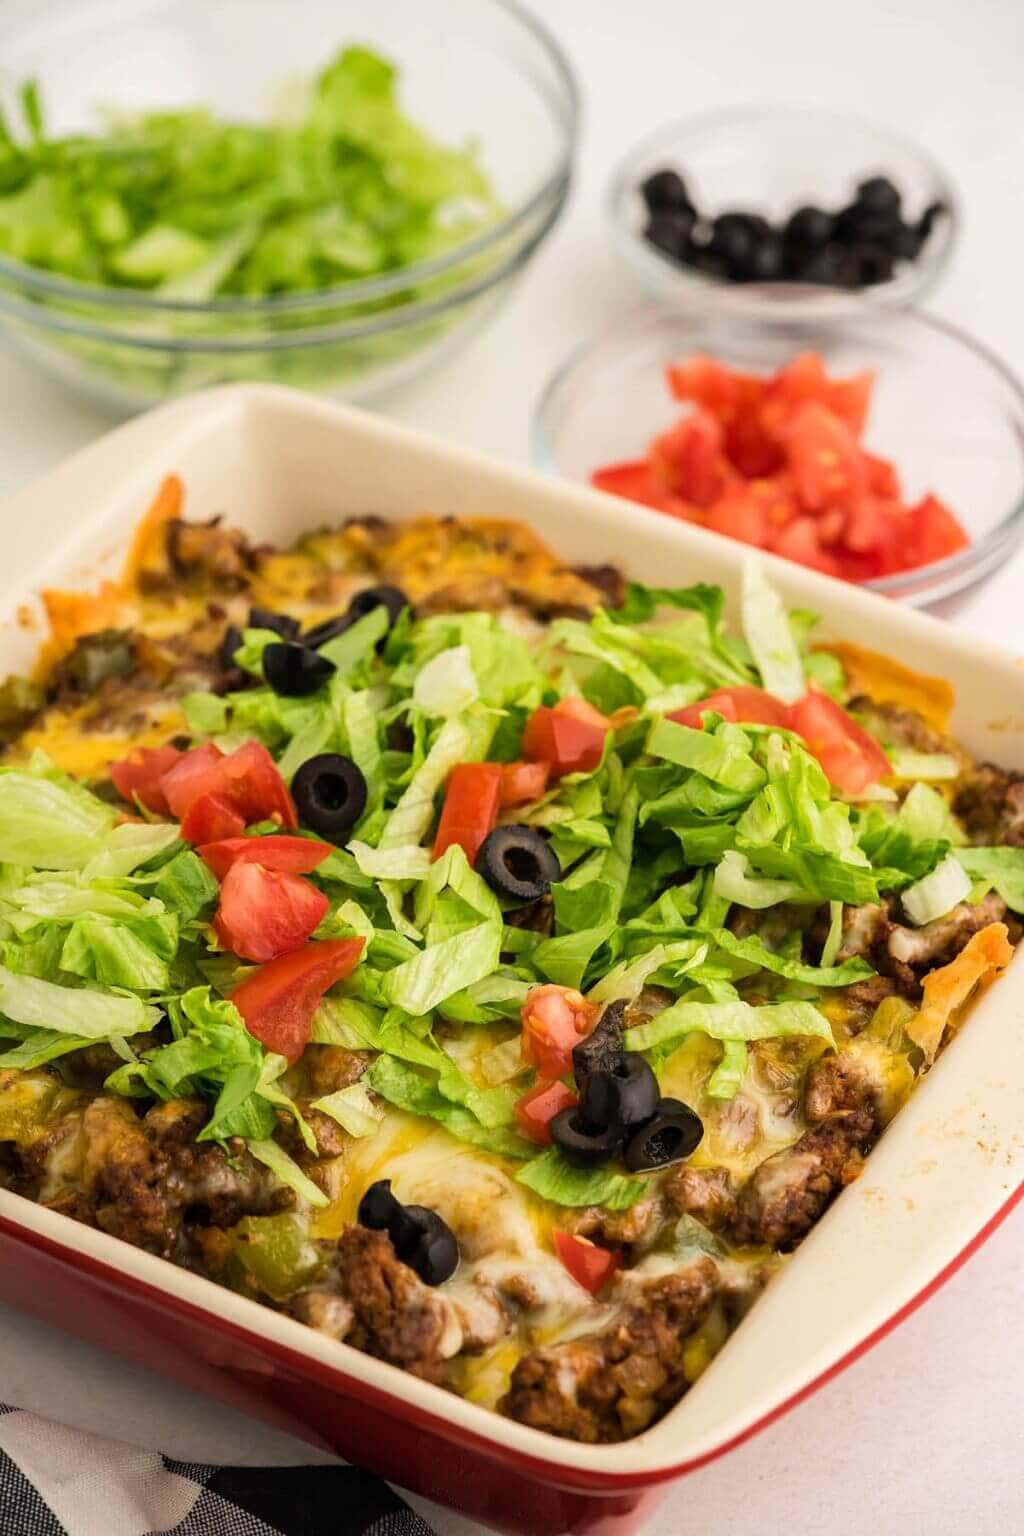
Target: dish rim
point(141, 449)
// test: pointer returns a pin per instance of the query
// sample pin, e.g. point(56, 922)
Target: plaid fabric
point(56, 1481)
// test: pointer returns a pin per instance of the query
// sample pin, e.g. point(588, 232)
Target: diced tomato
point(739, 515)
point(569, 738)
point(470, 808)
point(824, 460)
point(691, 455)
point(777, 463)
point(590, 1266)
point(883, 479)
point(800, 541)
point(252, 782)
point(195, 774)
point(934, 533)
point(209, 818)
point(292, 855)
point(264, 913)
point(849, 399)
point(635, 480)
point(554, 1020)
point(738, 704)
point(851, 758)
point(522, 782)
point(139, 776)
point(279, 1001)
point(536, 1109)
point(247, 779)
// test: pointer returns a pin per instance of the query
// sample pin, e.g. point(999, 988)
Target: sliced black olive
point(626, 1095)
point(665, 189)
point(602, 1050)
point(929, 219)
point(294, 670)
point(671, 1134)
point(878, 195)
point(379, 1207)
point(424, 1241)
point(229, 645)
point(670, 230)
point(518, 862)
point(280, 623)
point(330, 794)
point(583, 1145)
point(809, 228)
point(391, 598)
point(327, 629)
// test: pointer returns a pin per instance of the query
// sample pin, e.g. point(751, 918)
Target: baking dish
point(946, 1172)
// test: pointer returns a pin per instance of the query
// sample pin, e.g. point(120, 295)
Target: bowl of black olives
point(782, 211)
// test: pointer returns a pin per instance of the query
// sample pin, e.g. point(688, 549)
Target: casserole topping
point(496, 966)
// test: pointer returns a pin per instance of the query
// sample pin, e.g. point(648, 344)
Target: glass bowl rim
point(978, 555)
point(738, 296)
point(566, 110)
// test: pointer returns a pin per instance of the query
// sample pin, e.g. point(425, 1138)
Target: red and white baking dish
point(946, 1172)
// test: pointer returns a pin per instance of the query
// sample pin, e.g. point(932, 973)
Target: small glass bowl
point(480, 71)
point(945, 410)
point(771, 161)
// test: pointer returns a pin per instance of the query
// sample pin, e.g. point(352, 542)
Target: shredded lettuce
point(447, 684)
point(353, 1109)
point(418, 1094)
point(767, 631)
point(423, 983)
point(1002, 868)
point(287, 1170)
point(938, 893)
point(907, 764)
point(729, 1021)
point(733, 882)
point(554, 1178)
point(727, 1078)
point(72, 1010)
point(47, 821)
point(757, 954)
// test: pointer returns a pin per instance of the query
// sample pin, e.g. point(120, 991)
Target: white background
point(925, 1432)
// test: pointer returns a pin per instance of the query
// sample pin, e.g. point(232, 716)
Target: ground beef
point(607, 1386)
point(623, 1228)
point(898, 727)
point(839, 1082)
point(903, 955)
point(935, 944)
point(394, 1316)
point(144, 1178)
point(990, 803)
point(209, 553)
point(787, 1193)
point(332, 1067)
point(608, 580)
point(705, 1193)
point(863, 998)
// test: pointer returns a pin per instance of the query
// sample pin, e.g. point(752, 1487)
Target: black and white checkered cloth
point(56, 1481)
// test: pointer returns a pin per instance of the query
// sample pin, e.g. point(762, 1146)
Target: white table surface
point(925, 1432)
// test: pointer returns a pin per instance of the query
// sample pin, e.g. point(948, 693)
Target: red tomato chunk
point(535, 1110)
point(264, 913)
point(470, 808)
point(554, 1020)
point(279, 1001)
point(589, 1265)
point(778, 463)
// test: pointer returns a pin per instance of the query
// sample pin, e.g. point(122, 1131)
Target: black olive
point(764, 262)
point(424, 1241)
point(732, 239)
point(906, 243)
point(626, 1095)
point(671, 1134)
point(809, 228)
point(378, 1207)
point(229, 645)
point(293, 670)
point(602, 1050)
point(929, 218)
point(328, 629)
point(391, 598)
point(670, 231)
point(878, 195)
point(584, 1145)
point(330, 794)
point(703, 260)
point(518, 862)
point(857, 223)
point(280, 623)
point(665, 189)
point(873, 263)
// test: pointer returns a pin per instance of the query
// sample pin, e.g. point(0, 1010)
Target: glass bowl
point(480, 71)
point(771, 161)
point(948, 413)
